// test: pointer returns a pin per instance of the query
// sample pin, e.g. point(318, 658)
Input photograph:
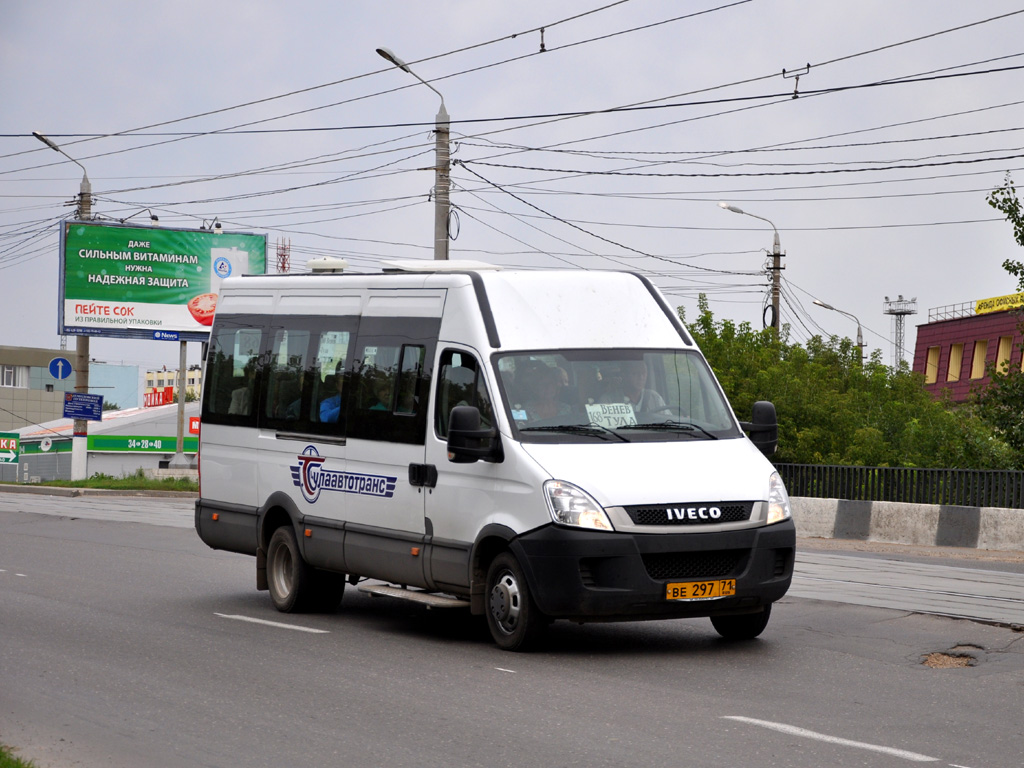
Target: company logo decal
point(311, 477)
point(222, 267)
point(693, 513)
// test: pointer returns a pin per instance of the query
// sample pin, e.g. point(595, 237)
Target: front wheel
point(745, 626)
point(512, 616)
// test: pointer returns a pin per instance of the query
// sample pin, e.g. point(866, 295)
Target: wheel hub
point(504, 602)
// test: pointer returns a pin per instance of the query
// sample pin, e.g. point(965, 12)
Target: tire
point(290, 580)
point(512, 617)
point(327, 590)
point(745, 626)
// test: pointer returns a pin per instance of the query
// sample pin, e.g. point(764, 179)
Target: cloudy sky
point(604, 141)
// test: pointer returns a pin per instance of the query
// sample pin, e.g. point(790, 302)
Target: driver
point(633, 390)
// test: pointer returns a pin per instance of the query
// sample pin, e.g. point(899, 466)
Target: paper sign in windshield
point(611, 415)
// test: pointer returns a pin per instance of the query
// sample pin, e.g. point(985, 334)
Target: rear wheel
point(512, 616)
point(745, 626)
point(328, 589)
point(289, 578)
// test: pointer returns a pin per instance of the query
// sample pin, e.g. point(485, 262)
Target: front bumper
point(603, 576)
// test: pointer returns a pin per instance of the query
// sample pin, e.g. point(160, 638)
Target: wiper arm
point(672, 426)
point(593, 428)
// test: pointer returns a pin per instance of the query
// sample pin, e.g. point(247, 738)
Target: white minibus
point(528, 445)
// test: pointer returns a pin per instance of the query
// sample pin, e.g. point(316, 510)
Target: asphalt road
point(130, 644)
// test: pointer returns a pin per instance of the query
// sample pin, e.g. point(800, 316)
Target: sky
point(586, 134)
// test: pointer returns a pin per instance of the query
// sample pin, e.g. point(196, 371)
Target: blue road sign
point(60, 368)
point(79, 405)
point(166, 336)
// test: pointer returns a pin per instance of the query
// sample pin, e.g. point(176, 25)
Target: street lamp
point(80, 431)
point(442, 163)
point(776, 261)
point(860, 334)
point(84, 212)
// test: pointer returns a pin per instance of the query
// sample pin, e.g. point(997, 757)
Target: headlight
point(571, 506)
point(778, 500)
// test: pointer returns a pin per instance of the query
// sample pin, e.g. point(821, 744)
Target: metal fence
point(961, 487)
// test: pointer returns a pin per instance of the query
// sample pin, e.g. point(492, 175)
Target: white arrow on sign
point(8, 456)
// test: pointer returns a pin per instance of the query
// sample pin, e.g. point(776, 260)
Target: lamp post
point(860, 333)
point(776, 262)
point(442, 163)
point(80, 431)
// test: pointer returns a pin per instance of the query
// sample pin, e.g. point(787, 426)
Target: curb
point(929, 525)
point(47, 490)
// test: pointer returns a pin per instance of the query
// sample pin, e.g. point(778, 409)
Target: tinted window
point(231, 388)
point(389, 382)
point(460, 382)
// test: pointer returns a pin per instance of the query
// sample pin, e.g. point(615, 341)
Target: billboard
point(998, 303)
point(148, 282)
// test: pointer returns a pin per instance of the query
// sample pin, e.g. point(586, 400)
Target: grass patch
point(134, 482)
point(8, 760)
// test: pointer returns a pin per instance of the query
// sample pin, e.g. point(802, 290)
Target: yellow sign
point(999, 303)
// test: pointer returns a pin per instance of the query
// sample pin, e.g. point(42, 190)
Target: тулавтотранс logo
point(311, 477)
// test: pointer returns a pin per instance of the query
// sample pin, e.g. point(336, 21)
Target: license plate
point(700, 590)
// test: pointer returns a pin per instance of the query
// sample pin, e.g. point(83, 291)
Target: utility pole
point(80, 430)
point(442, 163)
point(776, 266)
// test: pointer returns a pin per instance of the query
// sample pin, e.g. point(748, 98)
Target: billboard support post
point(179, 461)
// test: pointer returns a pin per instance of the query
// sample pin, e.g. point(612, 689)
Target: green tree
point(1004, 199)
point(1001, 402)
point(833, 409)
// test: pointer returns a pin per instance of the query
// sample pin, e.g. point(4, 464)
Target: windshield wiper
point(672, 426)
point(579, 429)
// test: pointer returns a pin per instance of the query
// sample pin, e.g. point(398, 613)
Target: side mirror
point(763, 428)
point(467, 442)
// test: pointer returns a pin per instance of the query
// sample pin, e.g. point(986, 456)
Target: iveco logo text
point(311, 478)
point(693, 513)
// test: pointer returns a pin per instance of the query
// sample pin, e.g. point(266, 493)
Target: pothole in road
point(957, 656)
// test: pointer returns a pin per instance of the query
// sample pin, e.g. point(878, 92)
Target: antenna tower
point(284, 256)
point(899, 309)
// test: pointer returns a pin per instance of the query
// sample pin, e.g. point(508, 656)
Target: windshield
point(613, 395)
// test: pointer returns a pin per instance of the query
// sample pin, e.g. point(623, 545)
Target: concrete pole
point(80, 430)
point(179, 461)
point(776, 281)
point(442, 185)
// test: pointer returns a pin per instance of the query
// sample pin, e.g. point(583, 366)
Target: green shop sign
point(140, 444)
point(146, 282)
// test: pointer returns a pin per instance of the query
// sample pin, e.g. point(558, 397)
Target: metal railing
point(960, 487)
point(951, 312)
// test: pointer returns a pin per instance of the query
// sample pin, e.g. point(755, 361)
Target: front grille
point(690, 513)
point(695, 565)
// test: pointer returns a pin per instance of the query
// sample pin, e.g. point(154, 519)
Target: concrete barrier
point(929, 525)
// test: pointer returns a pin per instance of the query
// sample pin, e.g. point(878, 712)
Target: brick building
point(958, 343)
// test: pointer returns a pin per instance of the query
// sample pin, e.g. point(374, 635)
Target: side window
point(460, 382)
point(329, 372)
point(286, 380)
point(389, 382)
point(231, 393)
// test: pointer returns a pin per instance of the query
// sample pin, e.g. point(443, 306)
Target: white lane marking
point(502, 669)
point(794, 731)
point(273, 624)
point(24, 576)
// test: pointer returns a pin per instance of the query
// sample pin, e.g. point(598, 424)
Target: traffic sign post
point(9, 447)
point(81, 405)
point(60, 368)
